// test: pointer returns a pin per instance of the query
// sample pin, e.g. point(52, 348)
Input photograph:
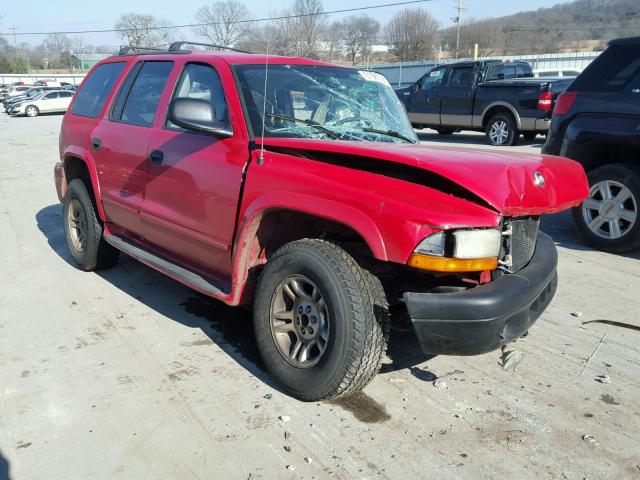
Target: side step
point(185, 276)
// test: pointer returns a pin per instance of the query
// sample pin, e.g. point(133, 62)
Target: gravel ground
point(128, 374)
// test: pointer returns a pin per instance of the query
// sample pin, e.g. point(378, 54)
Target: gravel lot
point(128, 374)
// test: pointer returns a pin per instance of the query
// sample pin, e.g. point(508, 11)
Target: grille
point(520, 235)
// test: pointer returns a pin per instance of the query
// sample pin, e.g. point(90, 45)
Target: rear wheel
point(609, 219)
point(502, 130)
point(83, 230)
point(31, 111)
point(321, 320)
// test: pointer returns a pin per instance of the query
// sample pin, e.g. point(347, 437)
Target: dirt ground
point(127, 374)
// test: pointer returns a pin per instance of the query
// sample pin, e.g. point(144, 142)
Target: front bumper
point(484, 318)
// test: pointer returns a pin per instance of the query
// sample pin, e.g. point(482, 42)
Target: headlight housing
point(471, 250)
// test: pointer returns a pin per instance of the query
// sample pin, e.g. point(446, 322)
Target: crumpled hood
point(515, 184)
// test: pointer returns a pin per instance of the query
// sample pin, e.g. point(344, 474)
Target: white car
point(556, 72)
point(47, 102)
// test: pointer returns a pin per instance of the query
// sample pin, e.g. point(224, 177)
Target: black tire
point(445, 131)
point(94, 252)
point(358, 318)
point(506, 121)
point(624, 175)
point(529, 136)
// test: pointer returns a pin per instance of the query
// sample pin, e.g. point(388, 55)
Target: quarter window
point(142, 99)
point(203, 82)
point(95, 89)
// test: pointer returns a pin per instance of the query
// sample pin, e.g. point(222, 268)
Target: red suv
point(300, 187)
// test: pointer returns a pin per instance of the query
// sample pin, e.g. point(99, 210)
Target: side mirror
point(197, 115)
point(416, 87)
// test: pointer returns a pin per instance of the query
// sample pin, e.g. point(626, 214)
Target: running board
point(181, 274)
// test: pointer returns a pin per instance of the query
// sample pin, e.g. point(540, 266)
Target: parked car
point(48, 83)
point(31, 93)
point(597, 122)
point(555, 72)
point(300, 188)
point(14, 91)
point(55, 101)
point(475, 96)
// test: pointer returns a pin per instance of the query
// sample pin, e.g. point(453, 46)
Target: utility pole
point(458, 19)
point(15, 41)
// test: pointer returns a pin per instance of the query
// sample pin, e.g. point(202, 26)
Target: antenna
point(264, 92)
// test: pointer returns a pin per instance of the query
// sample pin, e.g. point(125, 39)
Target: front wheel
point(502, 130)
point(608, 219)
point(31, 111)
point(321, 320)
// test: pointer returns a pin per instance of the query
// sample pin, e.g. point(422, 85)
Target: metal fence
point(75, 79)
point(400, 74)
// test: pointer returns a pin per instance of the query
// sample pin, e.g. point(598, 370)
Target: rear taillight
point(545, 101)
point(564, 103)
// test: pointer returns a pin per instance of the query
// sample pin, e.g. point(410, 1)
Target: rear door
point(120, 143)
point(426, 98)
point(194, 179)
point(457, 97)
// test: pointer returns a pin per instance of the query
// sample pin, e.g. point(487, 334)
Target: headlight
point(468, 251)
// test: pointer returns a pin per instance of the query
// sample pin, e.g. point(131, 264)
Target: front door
point(424, 107)
point(194, 179)
point(120, 143)
point(457, 97)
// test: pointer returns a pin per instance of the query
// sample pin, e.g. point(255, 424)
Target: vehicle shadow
point(561, 228)
point(228, 327)
point(467, 138)
point(4, 468)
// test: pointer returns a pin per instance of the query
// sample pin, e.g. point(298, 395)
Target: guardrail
point(405, 73)
point(75, 79)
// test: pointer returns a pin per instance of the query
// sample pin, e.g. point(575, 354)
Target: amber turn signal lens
point(452, 265)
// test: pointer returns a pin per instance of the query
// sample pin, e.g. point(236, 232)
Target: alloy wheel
point(77, 221)
point(611, 210)
point(499, 132)
point(299, 321)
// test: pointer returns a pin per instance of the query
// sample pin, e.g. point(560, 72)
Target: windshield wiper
point(310, 123)
point(390, 133)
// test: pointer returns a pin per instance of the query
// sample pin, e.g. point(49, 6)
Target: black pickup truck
point(499, 98)
point(597, 122)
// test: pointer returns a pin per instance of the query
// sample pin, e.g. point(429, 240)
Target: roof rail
point(129, 50)
point(177, 46)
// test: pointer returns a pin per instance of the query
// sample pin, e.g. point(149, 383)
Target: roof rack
point(177, 46)
point(129, 50)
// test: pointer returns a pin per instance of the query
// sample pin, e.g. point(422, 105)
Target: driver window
point(433, 78)
point(203, 82)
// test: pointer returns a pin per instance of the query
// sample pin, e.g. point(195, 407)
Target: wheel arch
point(78, 164)
point(500, 107)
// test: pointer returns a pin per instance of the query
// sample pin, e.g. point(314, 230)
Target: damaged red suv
point(300, 188)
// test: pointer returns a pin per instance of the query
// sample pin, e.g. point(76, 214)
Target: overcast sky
point(47, 15)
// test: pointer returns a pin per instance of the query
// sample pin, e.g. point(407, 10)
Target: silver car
point(47, 102)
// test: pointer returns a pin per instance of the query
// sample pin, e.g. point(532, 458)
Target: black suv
point(597, 122)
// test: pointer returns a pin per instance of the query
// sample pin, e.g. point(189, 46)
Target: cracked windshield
point(322, 102)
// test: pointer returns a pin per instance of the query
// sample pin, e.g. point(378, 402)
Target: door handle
point(96, 143)
point(156, 157)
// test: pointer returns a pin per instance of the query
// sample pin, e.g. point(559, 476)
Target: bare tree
point(144, 31)
point(56, 48)
point(226, 22)
point(300, 33)
point(412, 34)
point(333, 37)
point(359, 34)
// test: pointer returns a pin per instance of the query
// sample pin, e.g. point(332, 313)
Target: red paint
point(191, 209)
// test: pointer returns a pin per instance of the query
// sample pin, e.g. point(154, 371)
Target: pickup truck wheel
point(83, 230)
point(610, 218)
point(502, 130)
point(321, 320)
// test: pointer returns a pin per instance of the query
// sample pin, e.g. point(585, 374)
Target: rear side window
point(96, 88)
point(523, 70)
point(142, 99)
point(461, 76)
point(612, 71)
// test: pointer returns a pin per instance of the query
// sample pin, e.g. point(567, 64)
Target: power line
point(255, 20)
point(562, 29)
